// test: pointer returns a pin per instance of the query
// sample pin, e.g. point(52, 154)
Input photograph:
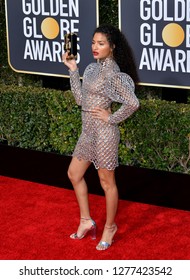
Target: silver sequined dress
point(103, 83)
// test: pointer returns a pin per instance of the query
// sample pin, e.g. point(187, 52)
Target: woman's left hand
point(101, 114)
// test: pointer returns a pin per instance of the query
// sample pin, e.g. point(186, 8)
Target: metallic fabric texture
point(103, 83)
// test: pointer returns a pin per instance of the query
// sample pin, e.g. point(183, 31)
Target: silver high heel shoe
point(103, 245)
point(92, 231)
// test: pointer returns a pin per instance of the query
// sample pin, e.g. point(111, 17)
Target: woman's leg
point(108, 183)
point(76, 171)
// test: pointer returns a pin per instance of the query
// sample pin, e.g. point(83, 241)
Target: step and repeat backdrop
point(157, 30)
point(159, 34)
point(36, 29)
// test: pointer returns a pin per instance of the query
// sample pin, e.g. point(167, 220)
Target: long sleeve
point(121, 89)
point(76, 87)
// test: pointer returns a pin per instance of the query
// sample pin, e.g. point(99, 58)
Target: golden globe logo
point(36, 32)
point(162, 46)
point(173, 35)
point(44, 25)
point(50, 28)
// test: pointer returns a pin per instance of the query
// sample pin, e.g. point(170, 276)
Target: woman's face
point(101, 47)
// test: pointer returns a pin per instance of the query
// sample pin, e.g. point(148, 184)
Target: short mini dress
point(102, 84)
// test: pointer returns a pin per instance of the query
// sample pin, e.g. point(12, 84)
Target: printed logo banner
point(159, 34)
point(36, 29)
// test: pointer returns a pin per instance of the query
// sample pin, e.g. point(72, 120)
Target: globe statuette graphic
point(50, 28)
point(173, 35)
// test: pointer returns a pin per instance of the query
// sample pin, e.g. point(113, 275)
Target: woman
point(110, 79)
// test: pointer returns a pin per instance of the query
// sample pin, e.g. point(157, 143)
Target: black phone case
point(70, 45)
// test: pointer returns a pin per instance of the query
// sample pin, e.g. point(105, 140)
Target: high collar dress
point(102, 84)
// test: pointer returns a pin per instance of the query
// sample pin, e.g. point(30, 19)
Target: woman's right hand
point(70, 63)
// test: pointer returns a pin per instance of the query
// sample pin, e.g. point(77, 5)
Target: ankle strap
point(113, 226)
point(87, 219)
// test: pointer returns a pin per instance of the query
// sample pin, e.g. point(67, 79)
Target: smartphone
point(70, 45)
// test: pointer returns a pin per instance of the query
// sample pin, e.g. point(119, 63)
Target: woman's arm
point(121, 89)
point(76, 87)
point(74, 78)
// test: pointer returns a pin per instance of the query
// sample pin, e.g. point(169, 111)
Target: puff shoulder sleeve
point(120, 88)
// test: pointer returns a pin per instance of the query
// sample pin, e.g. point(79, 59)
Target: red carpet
point(36, 221)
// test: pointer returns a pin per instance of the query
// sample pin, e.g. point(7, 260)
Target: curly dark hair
point(122, 51)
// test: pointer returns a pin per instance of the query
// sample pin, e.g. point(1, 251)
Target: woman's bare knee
point(76, 170)
point(107, 179)
point(72, 175)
